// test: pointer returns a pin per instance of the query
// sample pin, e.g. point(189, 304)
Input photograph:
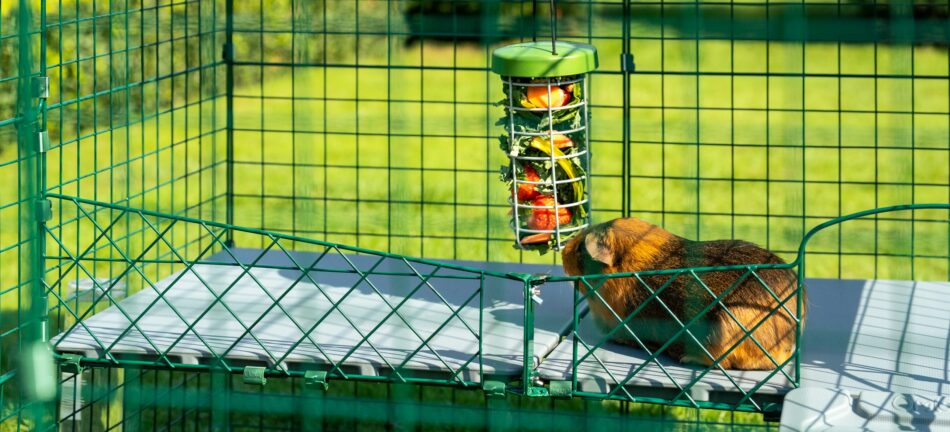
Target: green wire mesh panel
point(749, 120)
point(758, 120)
point(178, 399)
point(299, 314)
point(121, 99)
point(371, 123)
point(136, 117)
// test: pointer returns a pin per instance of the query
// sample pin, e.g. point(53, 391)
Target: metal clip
point(44, 210)
point(536, 294)
point(561, 389)
point(626, 63)
point(71, 363)
point(254, 375)
point(316, 380)
point(41, 87)
point(494, 389)
point(42, 141)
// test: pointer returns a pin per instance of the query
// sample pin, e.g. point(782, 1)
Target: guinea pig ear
point(598, 250)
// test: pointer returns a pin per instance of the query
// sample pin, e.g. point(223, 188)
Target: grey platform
point(823, 409)
point(890, 336)
point(393, 343)
point(877, 358)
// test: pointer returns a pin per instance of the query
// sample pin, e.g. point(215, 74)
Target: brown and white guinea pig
point(633, 245)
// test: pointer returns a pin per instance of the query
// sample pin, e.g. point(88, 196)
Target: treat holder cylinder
point(547, 140)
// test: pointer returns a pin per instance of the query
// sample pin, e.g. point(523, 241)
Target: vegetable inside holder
point(546, 140)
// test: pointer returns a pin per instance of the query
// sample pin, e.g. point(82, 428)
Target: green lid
point(535, 60)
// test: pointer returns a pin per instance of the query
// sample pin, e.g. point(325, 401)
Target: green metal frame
point(161, 225)
point(748, 401)
point(177, 123)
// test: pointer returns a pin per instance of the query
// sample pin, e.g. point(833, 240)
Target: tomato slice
point(543, 218)
point(527, 192)
point(538, 96)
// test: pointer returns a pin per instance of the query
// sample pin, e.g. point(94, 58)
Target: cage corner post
point(227, 55)
point(36, 372)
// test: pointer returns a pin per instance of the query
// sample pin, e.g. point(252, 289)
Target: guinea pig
point(633, 245)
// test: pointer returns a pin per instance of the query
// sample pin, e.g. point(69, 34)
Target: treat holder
point(547, 113)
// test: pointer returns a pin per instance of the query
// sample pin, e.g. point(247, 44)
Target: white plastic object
point(824, 409)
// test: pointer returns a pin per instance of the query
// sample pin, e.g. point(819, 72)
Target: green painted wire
point(139, 190)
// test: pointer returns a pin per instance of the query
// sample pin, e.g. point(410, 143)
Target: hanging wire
point(534, 24)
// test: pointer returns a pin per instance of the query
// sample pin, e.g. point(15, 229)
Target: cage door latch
point(42, 141)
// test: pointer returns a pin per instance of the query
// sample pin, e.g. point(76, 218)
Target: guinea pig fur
point(633, 245)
